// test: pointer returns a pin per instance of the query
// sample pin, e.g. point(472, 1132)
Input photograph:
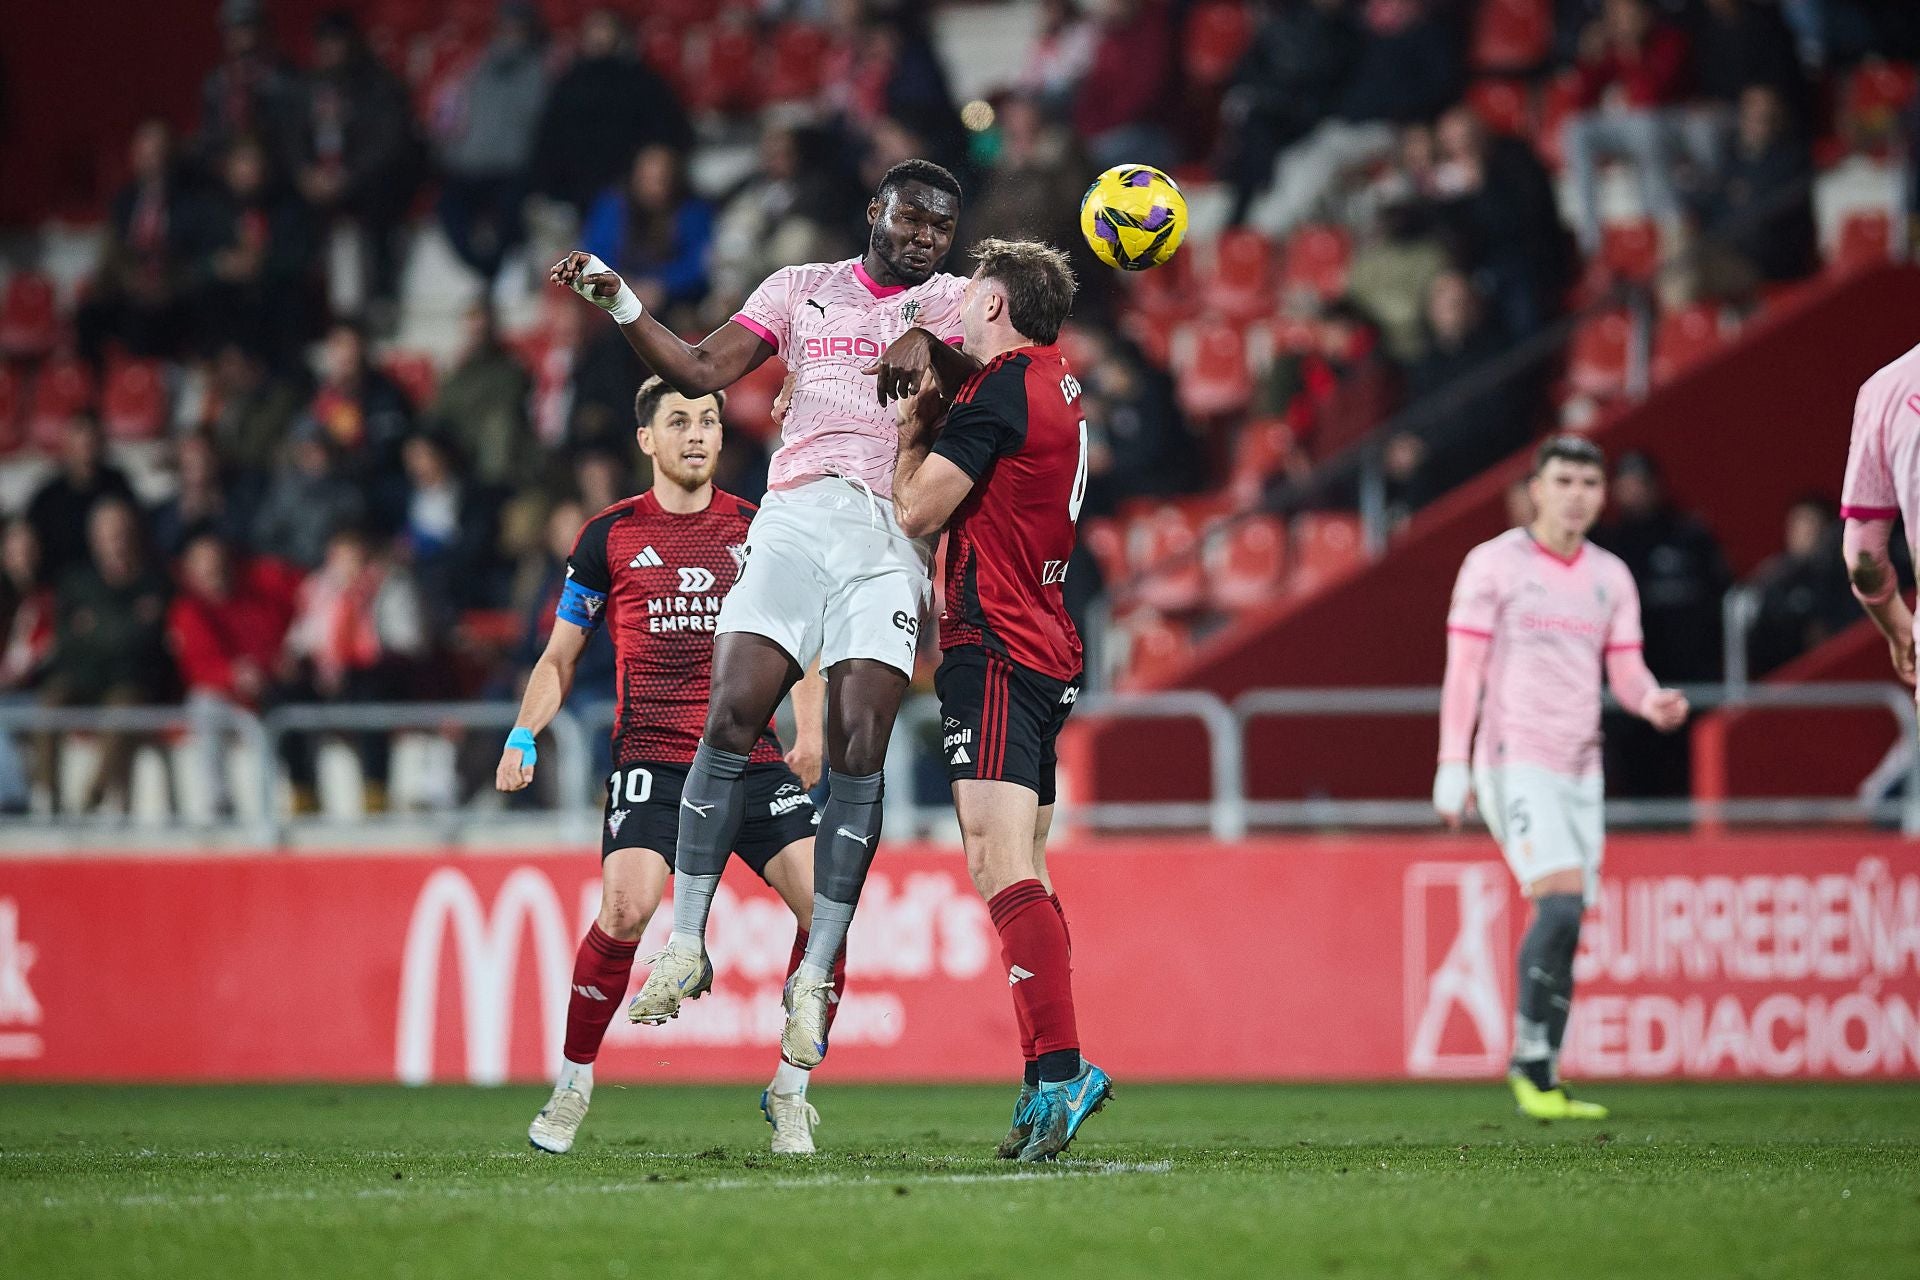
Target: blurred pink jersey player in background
point(1883, 482)
point(1538, 613)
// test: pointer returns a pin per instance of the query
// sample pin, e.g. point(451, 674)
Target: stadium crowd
point(338, 509)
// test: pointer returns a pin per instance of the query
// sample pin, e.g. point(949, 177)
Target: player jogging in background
point(654, 569)
point(1537, 614)
point(1883, 483)
point(1005, 475)
point(828, 571)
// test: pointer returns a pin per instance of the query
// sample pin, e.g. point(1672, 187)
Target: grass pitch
point(1689, 1180)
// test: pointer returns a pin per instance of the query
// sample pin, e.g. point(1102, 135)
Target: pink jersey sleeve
point(1868, 492)
point(769, 312)
point(1476, 597)
point(1623, 628)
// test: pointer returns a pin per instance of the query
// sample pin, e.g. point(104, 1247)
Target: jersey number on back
point(1079, 493)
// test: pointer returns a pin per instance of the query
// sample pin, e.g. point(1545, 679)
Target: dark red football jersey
point(1015, 427)
point(657, 579)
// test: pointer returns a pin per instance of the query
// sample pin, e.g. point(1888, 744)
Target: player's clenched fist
point(516, 762)
point(1665, 709)
point(593, 280)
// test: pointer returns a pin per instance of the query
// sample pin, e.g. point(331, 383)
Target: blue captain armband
point(580, 606)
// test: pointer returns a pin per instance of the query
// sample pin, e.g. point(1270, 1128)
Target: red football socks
point(1033, 942)
point(600, 972)
point(839, 972)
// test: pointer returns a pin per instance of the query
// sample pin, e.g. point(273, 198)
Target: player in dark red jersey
point(1005, 474)
point(655, 568)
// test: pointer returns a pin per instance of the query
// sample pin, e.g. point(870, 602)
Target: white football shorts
point(828, 574)
point(1544, 821)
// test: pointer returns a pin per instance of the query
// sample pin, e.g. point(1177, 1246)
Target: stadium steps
point(1741, 433)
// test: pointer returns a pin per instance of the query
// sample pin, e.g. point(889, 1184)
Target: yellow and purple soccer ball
point(1133, 217)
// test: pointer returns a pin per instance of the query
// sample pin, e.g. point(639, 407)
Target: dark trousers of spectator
point(114, 778)
point(148, 330)
point(385, 682)
point(484, 219)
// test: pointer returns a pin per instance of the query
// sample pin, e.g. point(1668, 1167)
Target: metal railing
point(1225, 812)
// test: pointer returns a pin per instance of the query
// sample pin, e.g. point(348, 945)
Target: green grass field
point(1692, 1180)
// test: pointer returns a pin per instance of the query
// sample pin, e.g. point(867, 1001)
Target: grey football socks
point(842, 852)
point(1546, 986)
point(710, 812)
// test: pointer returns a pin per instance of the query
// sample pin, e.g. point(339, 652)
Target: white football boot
point(554, 1128)
point(803, 1041)
point(793, 1119)
point(675, 976)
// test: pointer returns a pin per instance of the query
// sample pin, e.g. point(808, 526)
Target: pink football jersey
point(1883, 462)
point(829, 321)
point(1551, 622)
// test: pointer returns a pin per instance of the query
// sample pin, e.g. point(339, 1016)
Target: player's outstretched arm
point(1633, 684)
point(901, 370)
point(1870, 570)
point(725, 356)
point(1459, 708)
point(547, 688)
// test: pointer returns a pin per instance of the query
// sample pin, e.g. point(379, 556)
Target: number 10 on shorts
point(638, 784)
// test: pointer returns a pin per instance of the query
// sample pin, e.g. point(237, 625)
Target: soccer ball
point(1133, 217)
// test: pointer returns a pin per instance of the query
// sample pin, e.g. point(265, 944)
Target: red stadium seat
point(1866, 240)
point(11, 437)
point(1239, 281)
point(63, 389)
point(1630, 250)
point(1315, 262)
point(1164, 550)
point(1502, 105)
point(663, 47)
point(794, 62)
point(1108, 545)
point(1326, 545)
point(1556, 104)
point(1246, 563)
point(29, 322)
point(1210, 363)
point(133, 405)
point(1217, 34)
point(750, 400)
point(1260, 451)
point(1872, 101)
point(414, 371)
point(728, 78)
point(1684, 339)
point(1155, 647)
point(1512, 35)
point(1602, 350)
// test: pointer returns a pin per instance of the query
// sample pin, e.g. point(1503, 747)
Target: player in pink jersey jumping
point(1537, 613)
point(1882, 483)
point(828, 575)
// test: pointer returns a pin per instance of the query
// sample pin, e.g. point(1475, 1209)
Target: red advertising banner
point(1289, 958)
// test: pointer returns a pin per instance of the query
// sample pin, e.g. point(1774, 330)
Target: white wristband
point(623, 306)
point(1450, 783)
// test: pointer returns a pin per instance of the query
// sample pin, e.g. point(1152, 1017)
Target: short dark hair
point(1568, 448)
point(925, 172)
point(646, 402)
point(1038, 280)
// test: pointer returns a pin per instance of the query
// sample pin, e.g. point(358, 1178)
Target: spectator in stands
point(1502, 221)
point(1682, 575)
point(1032, 190)
point(1138, 443)
point(1408, 69)
point(1398, 251)
point(612, 97)
point(1340, 388)
point(654, 232)
point(311, 496)
point(62, 509)
point(109, 647)
point(887, 68)
point(1631, 72)
point(359, 633)
point(251, 411)
point(210, 499)
point(225, 628)
point(139, 294)
point(587, 382)
point(1120, 110)
point(481, 406)
point(256, 286)
point(603, 477)
point(358, 410)
point(1804, 598)
point(1756, 216)
point(1453, 439)
point(250, 93)
point(1738, 45)
point(1061, 55)
point(26, 647)
point(1287, 81)
point(356, 151)
point(485, 129)
point(792, 208)
point(449, 530)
